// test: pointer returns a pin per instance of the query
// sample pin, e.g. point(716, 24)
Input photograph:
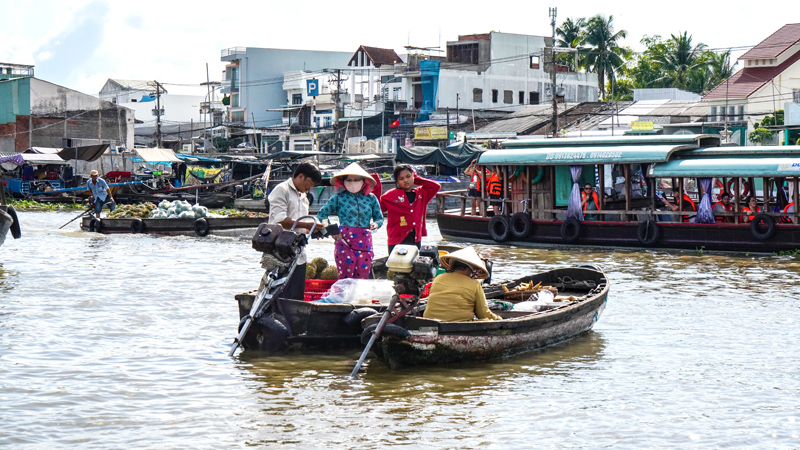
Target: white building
point(180, 104)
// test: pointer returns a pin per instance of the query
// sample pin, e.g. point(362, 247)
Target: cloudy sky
point(81, 43)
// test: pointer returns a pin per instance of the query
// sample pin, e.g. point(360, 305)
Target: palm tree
point(570, 35)
point(605, 55)
point(681, 61)
point(719, 67)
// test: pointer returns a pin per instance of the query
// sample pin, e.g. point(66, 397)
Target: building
point(179, 104)
point(37, 113)
point(770, 77)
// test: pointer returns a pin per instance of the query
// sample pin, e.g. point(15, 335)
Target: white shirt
point(286, 201)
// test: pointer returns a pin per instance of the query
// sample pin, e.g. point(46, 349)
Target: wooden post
point(553, 190)
point(626, 169)
point(482, 202)
point(679, 201)
point(796, 218)
point(529, 190)
point(736, 202)
point(601, 173)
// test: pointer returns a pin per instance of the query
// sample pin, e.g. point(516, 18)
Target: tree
point(570, 35)
point(683, 64)
point(719, 67)
point(604, 54)
point(760, 136)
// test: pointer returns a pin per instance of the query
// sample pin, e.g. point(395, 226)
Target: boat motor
point(284, 245)
point(411, 271)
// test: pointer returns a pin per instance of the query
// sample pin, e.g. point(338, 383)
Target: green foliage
point(760, 136)
point(769, 121)
point(605, 55)
point(34, 205)
point(221, 144)
point(793, 253)
point(226, 100)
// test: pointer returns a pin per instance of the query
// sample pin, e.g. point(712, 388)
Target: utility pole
point(158, 114)
point(554, 124)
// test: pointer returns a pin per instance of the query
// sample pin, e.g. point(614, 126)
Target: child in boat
point(359, 213)
point(457, 296)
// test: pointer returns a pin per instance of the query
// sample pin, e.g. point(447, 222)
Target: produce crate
point(521, 296)
point(315, 289)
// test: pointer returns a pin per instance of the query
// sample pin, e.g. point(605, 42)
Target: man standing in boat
point(287, 203)
point(100, 193)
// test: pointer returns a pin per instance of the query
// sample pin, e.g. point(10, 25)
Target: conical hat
point(354, 169)
point(467, 256)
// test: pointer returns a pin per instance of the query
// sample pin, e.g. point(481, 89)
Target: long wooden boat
point(413, 341)
point(200, 227)
point(9, 222)
point(631, 213)
point(310, 325)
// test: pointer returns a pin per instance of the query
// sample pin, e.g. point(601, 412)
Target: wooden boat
point(631, 213)
point(9, 222)
point(200, 227)
point(312, 325)
point(415, 340)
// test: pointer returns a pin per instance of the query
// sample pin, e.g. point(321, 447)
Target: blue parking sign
point(312, 87)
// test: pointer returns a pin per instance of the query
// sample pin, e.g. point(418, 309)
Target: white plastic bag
point(360, 292)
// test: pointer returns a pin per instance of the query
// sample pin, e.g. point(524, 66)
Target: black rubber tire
point(16, 231)
point(354, 317)
point(137, 226)
point(521, 225)
point(499, 228)
point(389, 329)
point(755, 227)
point(201, 227)
point(570, 230)
point(274, 331)
point(96, 225)
point(648, 233)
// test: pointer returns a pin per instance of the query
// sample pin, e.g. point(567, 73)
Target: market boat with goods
point(169, 218)
point(544, 183)
point(576, 297)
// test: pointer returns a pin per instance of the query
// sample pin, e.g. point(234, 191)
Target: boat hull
point(673, 235)
point(171, 226)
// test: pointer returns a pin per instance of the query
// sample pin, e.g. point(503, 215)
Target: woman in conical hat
point(359, 212)
point(457, 296)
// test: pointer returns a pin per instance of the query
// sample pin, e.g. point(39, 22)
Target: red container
point(315, 289)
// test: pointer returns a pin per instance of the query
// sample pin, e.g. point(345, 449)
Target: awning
point(43, 158)
point(728, 167)
point(195, 158)
point(41, 150)
point(565, 156)
point(156, 155)
point(698, 140)
point(85, 153)
point(459, 155)
point(15, 158)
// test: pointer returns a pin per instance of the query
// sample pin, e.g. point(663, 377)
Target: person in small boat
point(751, 209)
point(457, 295)
point(724, 205)
point(288, 203)
point(589, 201)
point(688, 204)
point(406, 207)
point(359, 213)
point(99, 193)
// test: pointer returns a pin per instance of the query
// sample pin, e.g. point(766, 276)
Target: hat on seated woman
point(469, 257)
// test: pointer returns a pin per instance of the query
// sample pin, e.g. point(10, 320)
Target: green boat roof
point(699, 140)
point(561, 156)
point(748, 166)
point(765, 151)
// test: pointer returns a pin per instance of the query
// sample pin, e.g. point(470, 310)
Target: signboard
point(641, 126)
point(312, 87)
point(430, 133)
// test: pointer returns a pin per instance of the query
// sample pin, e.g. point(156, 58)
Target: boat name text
point(583, 155)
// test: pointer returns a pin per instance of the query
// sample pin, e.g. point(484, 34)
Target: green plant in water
point(700, 250)
point(794, 252)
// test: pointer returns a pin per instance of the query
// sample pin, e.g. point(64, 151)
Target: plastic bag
point(543, 298)
point(359, 292)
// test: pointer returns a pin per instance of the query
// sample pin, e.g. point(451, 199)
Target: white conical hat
point(467, 256)
point(354, 169)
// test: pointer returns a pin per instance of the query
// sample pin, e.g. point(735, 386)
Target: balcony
point(232, 51)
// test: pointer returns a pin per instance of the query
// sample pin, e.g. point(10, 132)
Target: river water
point(121, 342)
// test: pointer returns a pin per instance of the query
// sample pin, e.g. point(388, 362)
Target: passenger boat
point(631, 174)
point(414, 340)
point(200, 227)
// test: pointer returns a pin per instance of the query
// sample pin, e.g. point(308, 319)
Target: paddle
point(91, 207)
point(375, 335)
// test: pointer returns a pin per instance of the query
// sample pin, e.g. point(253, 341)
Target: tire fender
point(201, 227)
point(354, 317)
point(570, 230)
point(756, 224)
point(274, 332)
point(389, 329)
point(16, 231)
point(648, 232)
point(137, 226)
point(499, 228)
point(96, 225)
point(521, 225)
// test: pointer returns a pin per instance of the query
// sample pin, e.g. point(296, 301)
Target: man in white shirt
point(287, 203)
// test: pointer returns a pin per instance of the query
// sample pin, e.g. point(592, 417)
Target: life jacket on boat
point(719, 206)
point(789, 208)
point(494, 186)
point(476, 178)
point(594, 199)
point(747, 210)
point(688, 205)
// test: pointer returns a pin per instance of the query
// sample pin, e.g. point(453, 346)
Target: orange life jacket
point(746, 210)
point(726, 208)
point(494, 186)
point(594, 199)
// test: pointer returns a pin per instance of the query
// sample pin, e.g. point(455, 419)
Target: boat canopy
point(567, 155)
point(727, 167)
point(156, 155)
point(698, 140)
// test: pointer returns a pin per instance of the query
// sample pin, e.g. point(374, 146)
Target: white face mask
point(353, 186)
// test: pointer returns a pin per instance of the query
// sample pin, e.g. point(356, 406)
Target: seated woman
point(751, 209)
point(457, 296)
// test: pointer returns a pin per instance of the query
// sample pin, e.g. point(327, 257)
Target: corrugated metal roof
point(728, 167)
point(520, 121)
point(777, 43)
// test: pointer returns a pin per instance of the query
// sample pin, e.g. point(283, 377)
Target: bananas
point(528, 286)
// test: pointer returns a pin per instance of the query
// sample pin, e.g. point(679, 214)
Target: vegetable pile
point(137, 211)
point(179, 209)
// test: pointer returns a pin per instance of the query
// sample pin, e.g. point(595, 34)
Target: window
point(508, 97)
point(521, 97)
point(477, 95)
point(494, 95)
point(741, 113)
point(534, 62)
point(533, 98)
point(297, 99)
point(796, 95)
point(713, 117)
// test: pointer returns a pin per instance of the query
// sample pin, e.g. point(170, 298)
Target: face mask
point(353, 186)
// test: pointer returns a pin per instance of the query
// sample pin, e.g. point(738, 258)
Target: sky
point(80, 44)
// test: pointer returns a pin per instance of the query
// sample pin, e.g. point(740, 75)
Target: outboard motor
point(411, 271)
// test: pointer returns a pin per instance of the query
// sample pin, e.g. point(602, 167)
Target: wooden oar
point(375, 334)
point(91, 207)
